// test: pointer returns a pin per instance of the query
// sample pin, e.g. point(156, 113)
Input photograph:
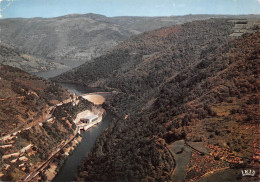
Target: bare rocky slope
point(74, 39)
point(184, 92)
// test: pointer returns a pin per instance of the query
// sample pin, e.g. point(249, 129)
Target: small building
point(11, 155)
point(6, 146)
point(21, 165)
point(13, 161)
point(23, 158)
point(50, 120)
point(26, 148)
point(6, 167)
point(1, 173)
point(89, 119)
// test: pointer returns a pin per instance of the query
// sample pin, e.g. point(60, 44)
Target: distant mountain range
point(70, 40)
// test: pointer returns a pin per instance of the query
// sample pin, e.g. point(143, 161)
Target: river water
point(53, 73)
point(69, 169)
point(80, 89)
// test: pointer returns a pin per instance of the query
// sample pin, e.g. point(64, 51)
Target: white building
point(89, 119)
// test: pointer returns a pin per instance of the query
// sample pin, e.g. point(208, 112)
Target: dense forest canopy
point(190, 82)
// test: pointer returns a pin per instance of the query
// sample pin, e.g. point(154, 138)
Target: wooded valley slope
point(190, 83)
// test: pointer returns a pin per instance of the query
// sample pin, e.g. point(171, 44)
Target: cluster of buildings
point(17, 158)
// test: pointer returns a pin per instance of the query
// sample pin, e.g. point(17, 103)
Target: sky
point(110, 8)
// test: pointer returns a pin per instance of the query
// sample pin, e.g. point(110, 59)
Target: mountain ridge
point(79, 38)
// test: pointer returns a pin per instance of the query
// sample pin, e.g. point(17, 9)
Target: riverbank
point(74, 153)
point(53, 168)
point(53, 165)
point(61, 163)
point(68, 170)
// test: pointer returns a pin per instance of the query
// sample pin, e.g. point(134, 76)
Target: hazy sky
point(53, 8)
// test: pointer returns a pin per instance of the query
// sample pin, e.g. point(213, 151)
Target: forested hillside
point(188, 83)
point(12, 56)
point(139, 67)
point(25, 98)
point(213, 104)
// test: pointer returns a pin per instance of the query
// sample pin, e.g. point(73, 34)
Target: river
point(81, 89)
point(52, 73)
point(69, 169)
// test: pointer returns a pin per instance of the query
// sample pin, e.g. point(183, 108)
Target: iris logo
point(248, 172)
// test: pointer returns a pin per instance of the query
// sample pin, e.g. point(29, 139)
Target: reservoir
point(68, 171)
